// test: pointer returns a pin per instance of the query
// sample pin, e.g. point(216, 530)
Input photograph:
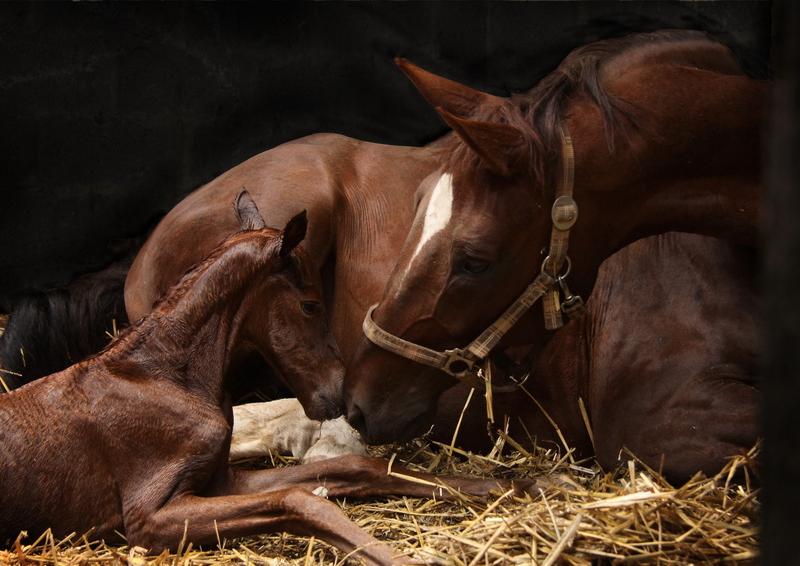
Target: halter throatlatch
point(466, 364)
point(563, 216)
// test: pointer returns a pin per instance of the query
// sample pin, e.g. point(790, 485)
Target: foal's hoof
point(137, 556)
point(496, 488)
point(526, 486)
point(536, 486)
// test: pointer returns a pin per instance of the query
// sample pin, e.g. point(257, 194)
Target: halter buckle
point(564, 213)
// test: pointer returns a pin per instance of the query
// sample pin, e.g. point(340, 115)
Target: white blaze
point(437, 217)
point(438, 212)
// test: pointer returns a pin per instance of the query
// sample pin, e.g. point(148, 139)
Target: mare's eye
point(310, 307)
point(475, 266)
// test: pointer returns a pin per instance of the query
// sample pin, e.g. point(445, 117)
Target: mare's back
point(322, 174)
point(689, 303)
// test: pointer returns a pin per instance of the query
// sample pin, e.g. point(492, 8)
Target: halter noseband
point(466, 364)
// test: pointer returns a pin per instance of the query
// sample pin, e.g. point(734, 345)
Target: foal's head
point(283, 317)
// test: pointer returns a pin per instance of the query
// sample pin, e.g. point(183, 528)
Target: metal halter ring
point(563, 275)
point(458, 364)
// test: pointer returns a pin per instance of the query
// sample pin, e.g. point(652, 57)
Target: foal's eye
point(310, 307)
point(475, 266)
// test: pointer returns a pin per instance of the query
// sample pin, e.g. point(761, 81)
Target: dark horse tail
point(48, 331)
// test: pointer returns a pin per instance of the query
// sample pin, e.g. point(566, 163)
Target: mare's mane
point(537, 112)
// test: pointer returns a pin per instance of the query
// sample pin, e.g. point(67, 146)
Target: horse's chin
point(398, 429)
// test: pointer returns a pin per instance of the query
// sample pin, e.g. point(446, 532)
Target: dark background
point(781, 282)
point(112, 112)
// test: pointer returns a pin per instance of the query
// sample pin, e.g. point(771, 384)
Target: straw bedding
point(581, 515)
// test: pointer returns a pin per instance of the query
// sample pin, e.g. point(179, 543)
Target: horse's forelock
point(538, 152)
point(538, 112)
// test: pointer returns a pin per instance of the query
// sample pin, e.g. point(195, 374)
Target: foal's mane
point(131, 337)
point(537, 112)
point(170, 299)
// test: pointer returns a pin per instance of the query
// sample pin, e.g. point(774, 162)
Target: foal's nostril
point(329, 406)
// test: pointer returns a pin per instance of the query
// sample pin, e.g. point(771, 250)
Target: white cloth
point(282, 426)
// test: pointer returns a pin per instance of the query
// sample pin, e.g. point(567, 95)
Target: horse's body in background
point(50, 330)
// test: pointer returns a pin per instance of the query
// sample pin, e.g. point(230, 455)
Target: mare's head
point(479, 238)
point(284, 319)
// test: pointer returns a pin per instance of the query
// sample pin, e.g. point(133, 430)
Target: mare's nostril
point(356, 419)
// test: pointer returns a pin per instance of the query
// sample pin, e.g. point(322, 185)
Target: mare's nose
point(355, 416)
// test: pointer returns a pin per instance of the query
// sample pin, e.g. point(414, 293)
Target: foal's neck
point(192, 331)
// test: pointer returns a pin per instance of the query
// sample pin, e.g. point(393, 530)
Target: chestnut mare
point(135, 440)
point(361, 199)
point(665, 132)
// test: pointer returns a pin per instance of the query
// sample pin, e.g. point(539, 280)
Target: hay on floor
point(581, 515)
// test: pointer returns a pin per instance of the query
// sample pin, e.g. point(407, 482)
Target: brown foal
point(135, 440)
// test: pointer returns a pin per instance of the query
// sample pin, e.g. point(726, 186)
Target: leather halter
point(466, 364)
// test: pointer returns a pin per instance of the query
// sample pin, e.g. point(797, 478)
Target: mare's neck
point(692, 164)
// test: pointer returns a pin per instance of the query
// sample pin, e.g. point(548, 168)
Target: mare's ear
point(293, 233)
point(247, 212)
point(496, 144)
point(441, 92)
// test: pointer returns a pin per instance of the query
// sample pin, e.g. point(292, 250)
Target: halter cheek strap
point(466, 364)
point(460, 363)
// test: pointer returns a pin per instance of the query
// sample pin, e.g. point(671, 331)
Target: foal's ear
point(496, 144)
point(247, 212)
point(441, 92)
point(293, 233)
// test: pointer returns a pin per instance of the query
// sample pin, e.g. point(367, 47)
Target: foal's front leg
point(202, 519)
point(362, 476)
